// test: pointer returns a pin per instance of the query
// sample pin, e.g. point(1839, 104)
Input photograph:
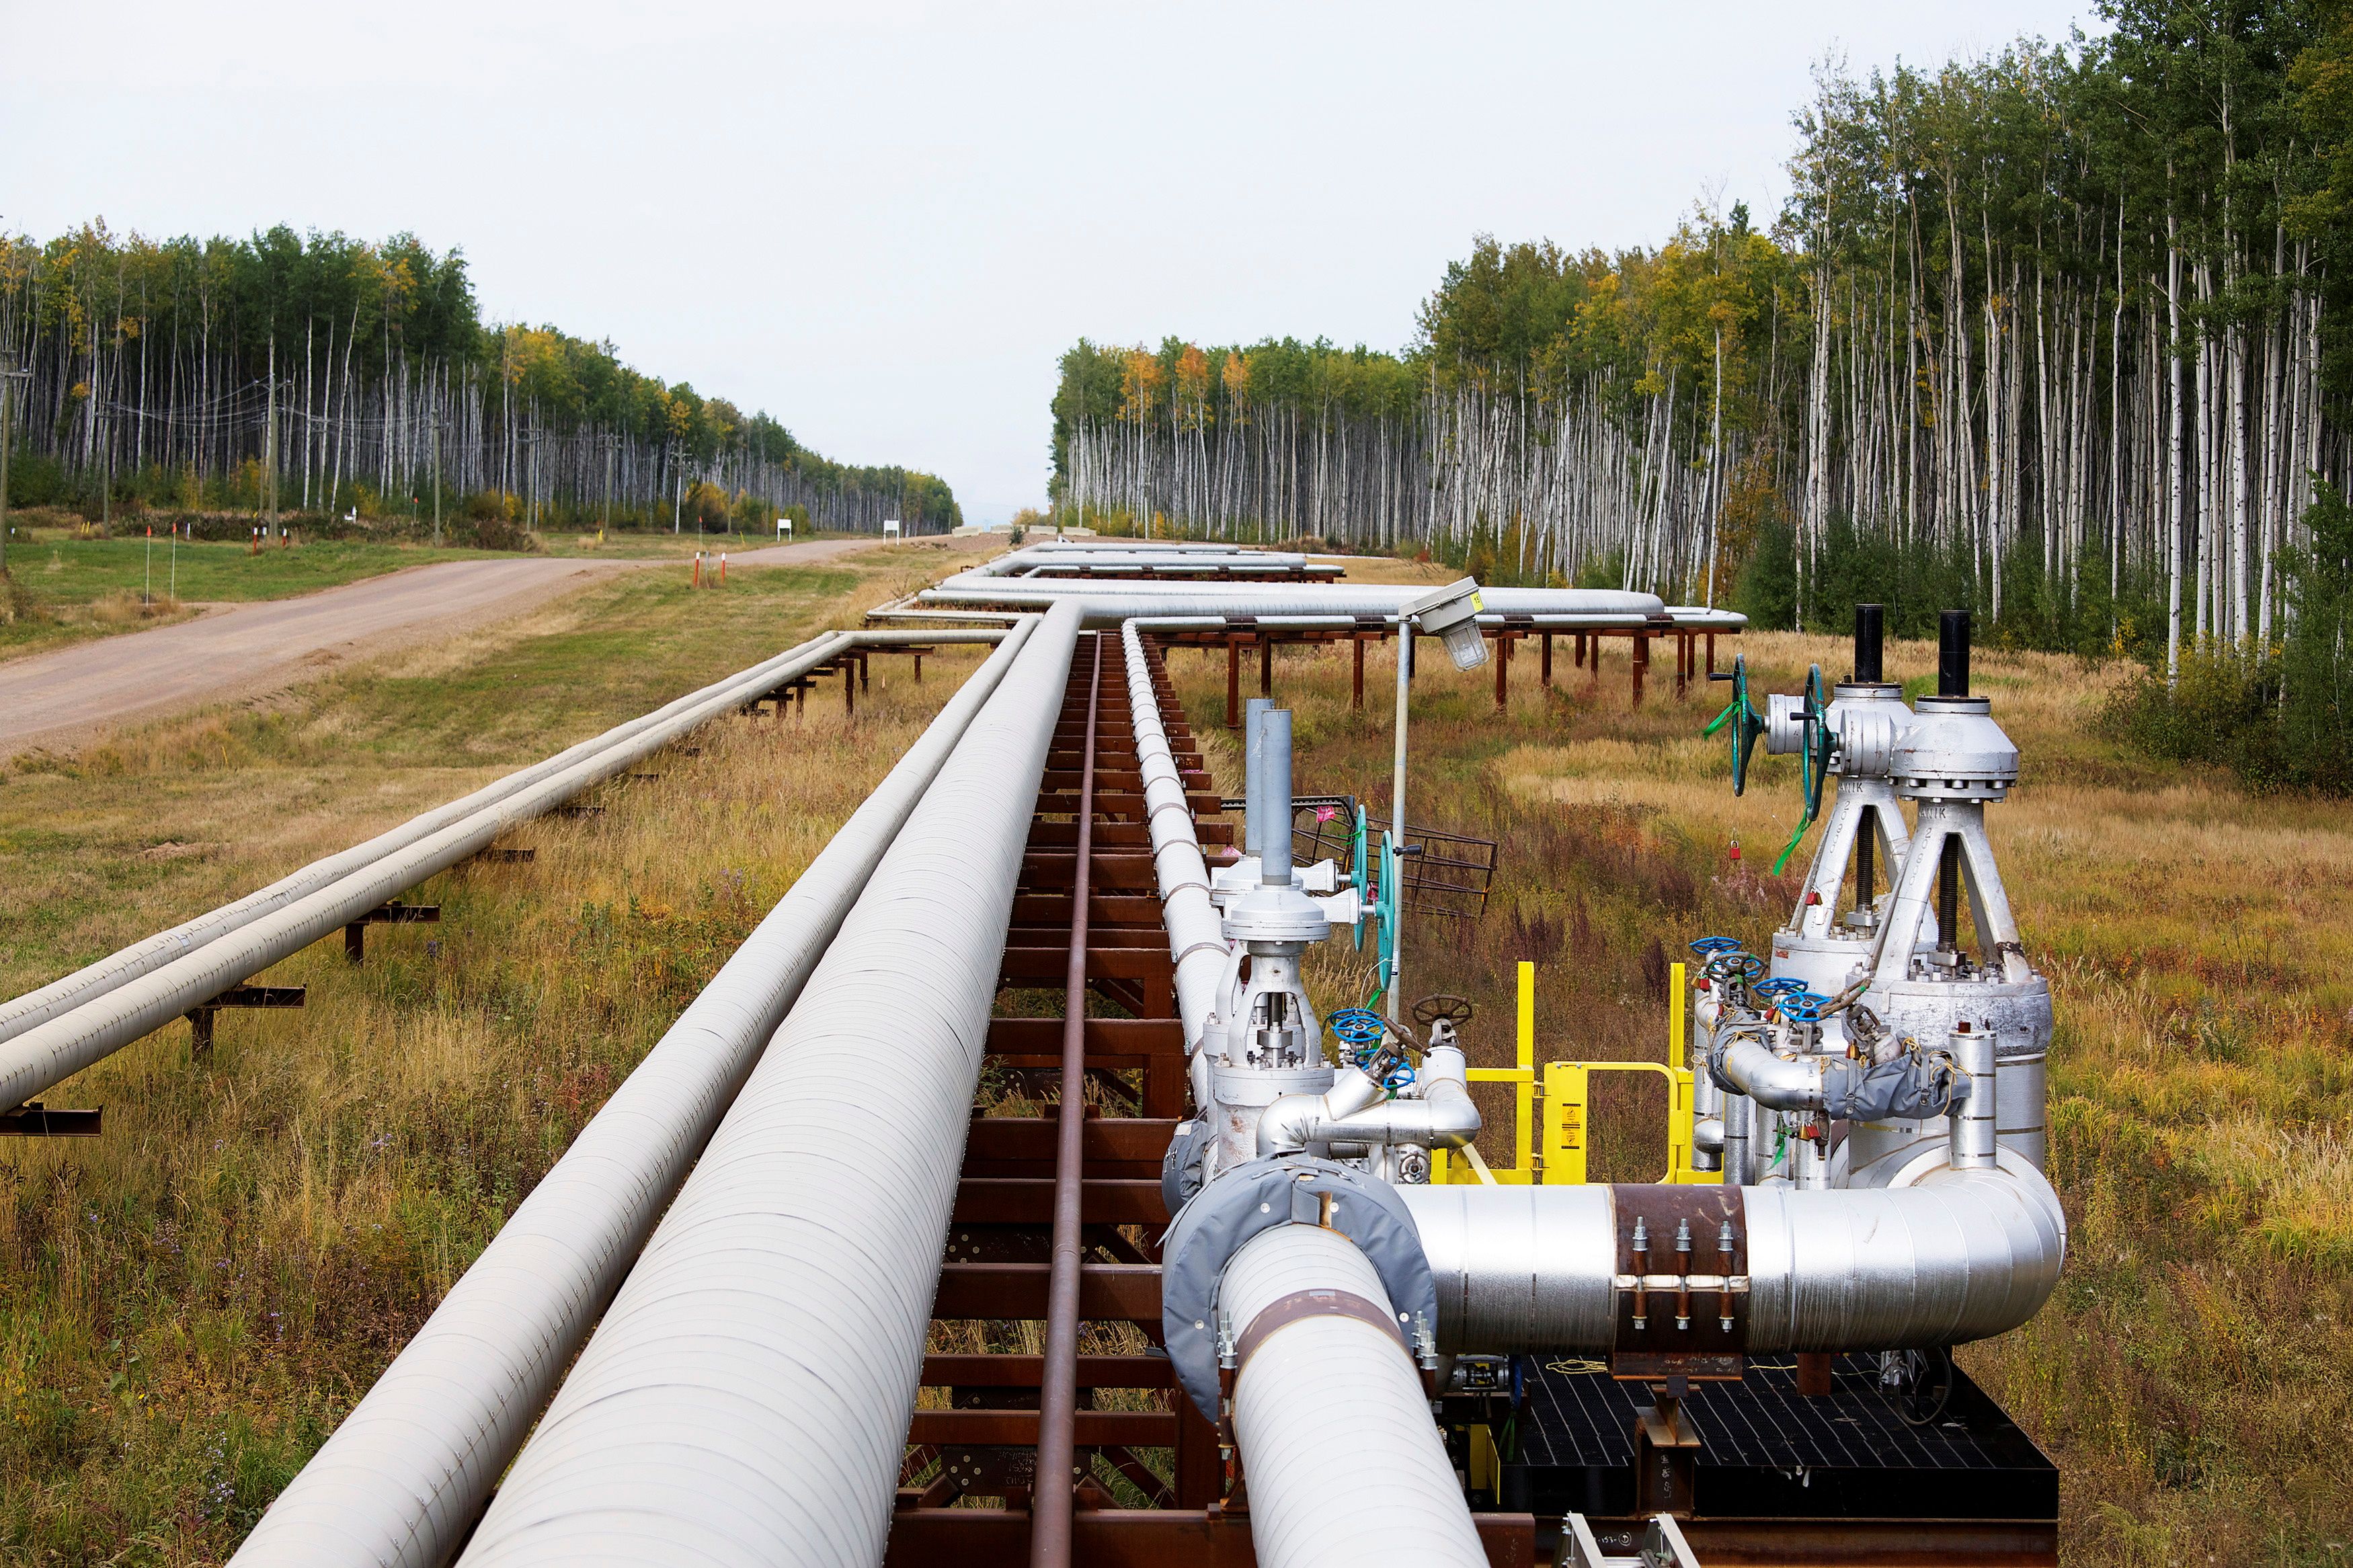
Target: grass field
point(64, 588)
point(189, 1303)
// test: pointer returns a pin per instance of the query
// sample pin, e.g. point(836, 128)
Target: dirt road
point(61, 699)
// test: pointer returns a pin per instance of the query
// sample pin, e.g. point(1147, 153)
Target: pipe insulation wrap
point(1197, 933)
point(1960, 1256)
point(144, 957)
point(1345, 1465)
point(746, 1399)
point(49, 1052)
point(410, 1467)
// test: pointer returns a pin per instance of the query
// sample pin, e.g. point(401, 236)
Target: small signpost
point(783, 528)
point(891, 528)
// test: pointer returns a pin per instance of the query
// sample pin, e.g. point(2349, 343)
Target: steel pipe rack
point(747, 1394)
point(408, 1472)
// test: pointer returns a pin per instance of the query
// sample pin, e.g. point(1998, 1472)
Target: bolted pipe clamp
point(1292, 1189)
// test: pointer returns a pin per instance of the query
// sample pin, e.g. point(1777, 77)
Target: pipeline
point(1344, 1465)
point(146, 986)
point(746, 1398)
point(1197, 935)
point(144, 957)
point(1108, 604)
point(410, 1467)
point(1356, 1110)
point(1964, 1255)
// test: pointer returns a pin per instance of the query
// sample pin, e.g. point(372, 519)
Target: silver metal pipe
point(409, 1469)
point(1777, 1082)
point(746, 1399)
point(1254, 817)
point(1345, 1466)
point(1960, 1256)
point(1739, 1140)
point(1443, 1116)
point(1274, 838)
point(1972, 1124)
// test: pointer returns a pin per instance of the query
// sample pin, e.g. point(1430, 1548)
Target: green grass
point(80, 571)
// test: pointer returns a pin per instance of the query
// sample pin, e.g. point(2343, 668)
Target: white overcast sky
point(883, 222)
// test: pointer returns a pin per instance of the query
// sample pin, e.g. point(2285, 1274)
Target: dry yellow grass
point(188, 1304)
point(2190, 1376)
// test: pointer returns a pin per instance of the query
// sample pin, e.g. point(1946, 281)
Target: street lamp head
point(1453, 614)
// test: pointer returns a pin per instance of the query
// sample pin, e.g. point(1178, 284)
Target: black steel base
point(1768, 1452)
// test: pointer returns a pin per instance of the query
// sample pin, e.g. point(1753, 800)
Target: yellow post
point(1524, 1094)
point(1675, 998)
point(1567, 1085)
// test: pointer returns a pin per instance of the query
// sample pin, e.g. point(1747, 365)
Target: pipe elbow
point(1453, 1115)
point(1289, 1124)
point(1776, 1082)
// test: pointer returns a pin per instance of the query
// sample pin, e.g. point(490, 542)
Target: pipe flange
point(1290, 1189)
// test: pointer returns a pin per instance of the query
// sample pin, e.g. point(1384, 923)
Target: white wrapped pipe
point(745, 1400)
point(1344, 1463)
point(144, 957)
point(1196, 935)
point(137, 1004)
point(1109, 602)
point(408, 1471)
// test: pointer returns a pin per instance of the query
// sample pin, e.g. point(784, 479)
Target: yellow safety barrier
point(1561, 1154)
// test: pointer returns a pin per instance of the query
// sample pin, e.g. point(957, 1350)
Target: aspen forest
point(325, 375)
point(2060, 334)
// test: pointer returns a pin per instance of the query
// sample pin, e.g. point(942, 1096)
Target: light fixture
point(1451, 614)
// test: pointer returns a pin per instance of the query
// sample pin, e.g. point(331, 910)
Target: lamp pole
point(1396, 807)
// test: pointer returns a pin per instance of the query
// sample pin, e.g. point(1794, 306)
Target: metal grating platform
point(1768, 1451)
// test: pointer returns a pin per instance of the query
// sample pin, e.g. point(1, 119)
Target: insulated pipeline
point(1196, 935)
point(144, 999)
point(144, 957)
point(746, 1398)
point(1107, 604)
point(409, 1469)
point(1962, 1256)
point(1345, 1465)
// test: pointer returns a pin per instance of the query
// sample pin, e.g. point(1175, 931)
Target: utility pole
point(269, 445)
point(8, 379)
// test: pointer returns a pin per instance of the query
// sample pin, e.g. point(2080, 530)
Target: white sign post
point(891, 528)
point(784, 528)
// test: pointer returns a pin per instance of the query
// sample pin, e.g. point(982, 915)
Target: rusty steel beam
point(1033, 1200)
point(1006, 1429)
point(1024, 1145)
point(1115, 1292)
point(1024, 1371)
point(1057, 1419)
point(1136, 1538)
